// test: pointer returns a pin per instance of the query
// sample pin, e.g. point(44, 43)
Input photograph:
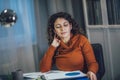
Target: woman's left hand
point(91, 75)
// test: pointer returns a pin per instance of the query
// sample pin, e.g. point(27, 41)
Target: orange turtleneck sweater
point(69, 56)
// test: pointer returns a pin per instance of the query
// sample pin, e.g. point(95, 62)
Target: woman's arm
point(89, 56)
point(46, 62)
point(90, 59)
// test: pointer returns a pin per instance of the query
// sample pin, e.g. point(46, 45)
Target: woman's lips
point(63, 33)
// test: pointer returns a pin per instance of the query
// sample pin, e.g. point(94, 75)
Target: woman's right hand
point(56, 42)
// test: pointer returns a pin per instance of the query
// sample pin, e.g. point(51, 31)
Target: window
point(113, 9)
point(94, 12)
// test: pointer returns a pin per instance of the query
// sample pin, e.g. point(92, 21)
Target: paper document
point(55, 75)
point(33, 75)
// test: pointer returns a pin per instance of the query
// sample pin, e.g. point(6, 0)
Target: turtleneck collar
point(71, 42)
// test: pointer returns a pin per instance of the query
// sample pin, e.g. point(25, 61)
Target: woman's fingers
point(56, 42)
point(91, 75)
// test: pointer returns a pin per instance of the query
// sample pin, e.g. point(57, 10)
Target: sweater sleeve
point(46, 62)
point(89, 55)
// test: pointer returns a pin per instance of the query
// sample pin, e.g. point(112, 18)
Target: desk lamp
point(8, 18)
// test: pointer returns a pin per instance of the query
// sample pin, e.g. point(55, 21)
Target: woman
point(68, 47)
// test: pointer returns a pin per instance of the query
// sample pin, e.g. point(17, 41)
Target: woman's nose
point(62, 28)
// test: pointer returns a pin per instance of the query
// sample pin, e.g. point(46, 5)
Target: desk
point(85, 78)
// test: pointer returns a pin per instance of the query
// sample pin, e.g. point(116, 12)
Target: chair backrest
point(98, 51)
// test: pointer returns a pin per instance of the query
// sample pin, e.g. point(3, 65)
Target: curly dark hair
point(75, 28)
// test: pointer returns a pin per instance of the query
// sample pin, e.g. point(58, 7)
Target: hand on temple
point(56, 42)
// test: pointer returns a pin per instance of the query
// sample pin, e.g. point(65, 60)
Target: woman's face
point(62, 28)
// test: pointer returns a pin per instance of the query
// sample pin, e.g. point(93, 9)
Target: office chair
point(97, 48)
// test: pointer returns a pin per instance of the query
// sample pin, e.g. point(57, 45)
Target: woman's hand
point(91, 75)
point(56, 42)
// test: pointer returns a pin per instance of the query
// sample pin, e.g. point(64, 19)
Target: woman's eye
point(57, 26)
point(65, 24)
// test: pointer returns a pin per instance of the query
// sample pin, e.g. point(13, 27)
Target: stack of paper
point(32, 76)
point(56, 75)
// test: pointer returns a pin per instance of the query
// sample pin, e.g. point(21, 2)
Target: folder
point(56, 75)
